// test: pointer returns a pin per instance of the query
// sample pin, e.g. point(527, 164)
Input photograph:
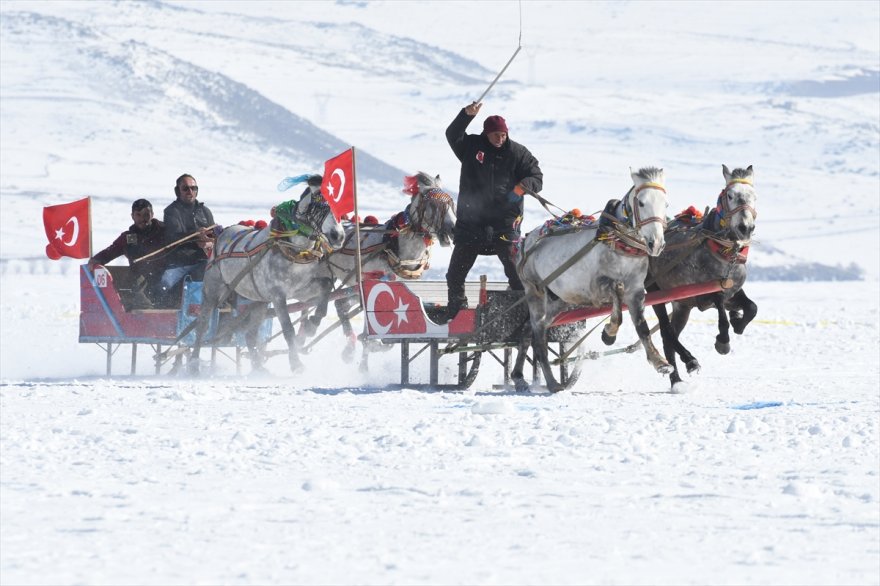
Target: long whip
point(509, 61)
point(172, 245)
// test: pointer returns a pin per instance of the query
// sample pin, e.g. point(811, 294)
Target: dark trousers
point(465, 255)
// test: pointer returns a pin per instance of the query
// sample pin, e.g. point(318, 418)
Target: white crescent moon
point(377, 290)
point(341, 184)
point(75, 235)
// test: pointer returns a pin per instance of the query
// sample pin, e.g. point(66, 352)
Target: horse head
point(314, 211)
point(737, 203)
point(646, 205)
point(432, 210)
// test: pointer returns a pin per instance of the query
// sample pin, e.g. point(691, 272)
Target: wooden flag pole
point(357, 230)
point(90, 226)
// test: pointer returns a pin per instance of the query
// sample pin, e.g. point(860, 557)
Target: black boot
point(456, 304)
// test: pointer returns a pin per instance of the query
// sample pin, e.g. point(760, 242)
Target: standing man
point(146, 235)
point(184, 217)
point(495, 174)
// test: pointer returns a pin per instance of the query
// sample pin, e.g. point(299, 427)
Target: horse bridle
point(308, 223)
point(416, 218)
point(723, 208)
point(413, 223)
point(636, 218)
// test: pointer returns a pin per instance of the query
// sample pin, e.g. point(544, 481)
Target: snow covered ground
point(765, 470)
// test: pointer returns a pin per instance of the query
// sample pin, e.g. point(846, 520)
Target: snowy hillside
point(114, 100)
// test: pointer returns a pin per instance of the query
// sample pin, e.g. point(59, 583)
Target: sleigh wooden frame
point(110, 318)
point(405, 313)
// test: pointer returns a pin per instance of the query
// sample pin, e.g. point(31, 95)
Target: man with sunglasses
point(186, 216)
point(141, 238)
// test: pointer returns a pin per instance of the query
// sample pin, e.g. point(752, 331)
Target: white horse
point(595, 267)
point(282, 261)
point(401, 247)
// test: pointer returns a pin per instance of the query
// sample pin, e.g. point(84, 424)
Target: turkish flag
point(68, 230)
point(338, 183)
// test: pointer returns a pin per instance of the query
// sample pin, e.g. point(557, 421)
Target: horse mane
point(650, 173)
point(427, 182)
point(741, 173)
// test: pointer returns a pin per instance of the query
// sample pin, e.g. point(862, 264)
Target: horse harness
point(284, 225)
point(406, 223)
point(730, 252)
point(617, 227)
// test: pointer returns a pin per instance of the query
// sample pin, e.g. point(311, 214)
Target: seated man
point(186, 217)
point(146, 235)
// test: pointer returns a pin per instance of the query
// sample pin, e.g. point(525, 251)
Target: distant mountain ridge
point(144, 76)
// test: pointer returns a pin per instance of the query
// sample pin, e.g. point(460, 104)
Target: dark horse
point(712, 249)
point(282, 261)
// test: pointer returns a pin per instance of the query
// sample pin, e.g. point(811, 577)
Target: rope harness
point(712, 230)
point(414, 221)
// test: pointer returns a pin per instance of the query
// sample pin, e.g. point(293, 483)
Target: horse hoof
point(693, 366)
point(738, 326)
point(609, 340)
point(348, 354)
point(193, 369)
point(521, 385)
point(664, 368)
point(722, 347)
point(680, 388)
point(259, 372)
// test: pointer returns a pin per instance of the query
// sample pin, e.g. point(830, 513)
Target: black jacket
point(134, 244)
point(487, 207)
point(182, 220)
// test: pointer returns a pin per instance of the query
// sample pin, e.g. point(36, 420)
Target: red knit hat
point(494, 124)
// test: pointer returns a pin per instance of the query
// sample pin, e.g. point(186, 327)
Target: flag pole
point(90, 226)
point(357, 230)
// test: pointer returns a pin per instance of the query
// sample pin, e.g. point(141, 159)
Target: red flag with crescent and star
point(338, 183)
point(68, 230)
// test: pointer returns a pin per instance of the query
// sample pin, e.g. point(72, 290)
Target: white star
point(330, 189)
point(59, 234)
point(400, 312)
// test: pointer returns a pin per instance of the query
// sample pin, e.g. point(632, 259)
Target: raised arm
point(455, 134)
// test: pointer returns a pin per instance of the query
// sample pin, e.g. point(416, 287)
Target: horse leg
point(722, 340)
point(209, 304)
point(342, 307)
point(540, 353)
point(609, 332)
point(256, 316)
point(280, 305)
point(745, 311)
point(690, 361)
point(670, 341)
point(311, 324)
point(516, 375)
point(636, 304)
